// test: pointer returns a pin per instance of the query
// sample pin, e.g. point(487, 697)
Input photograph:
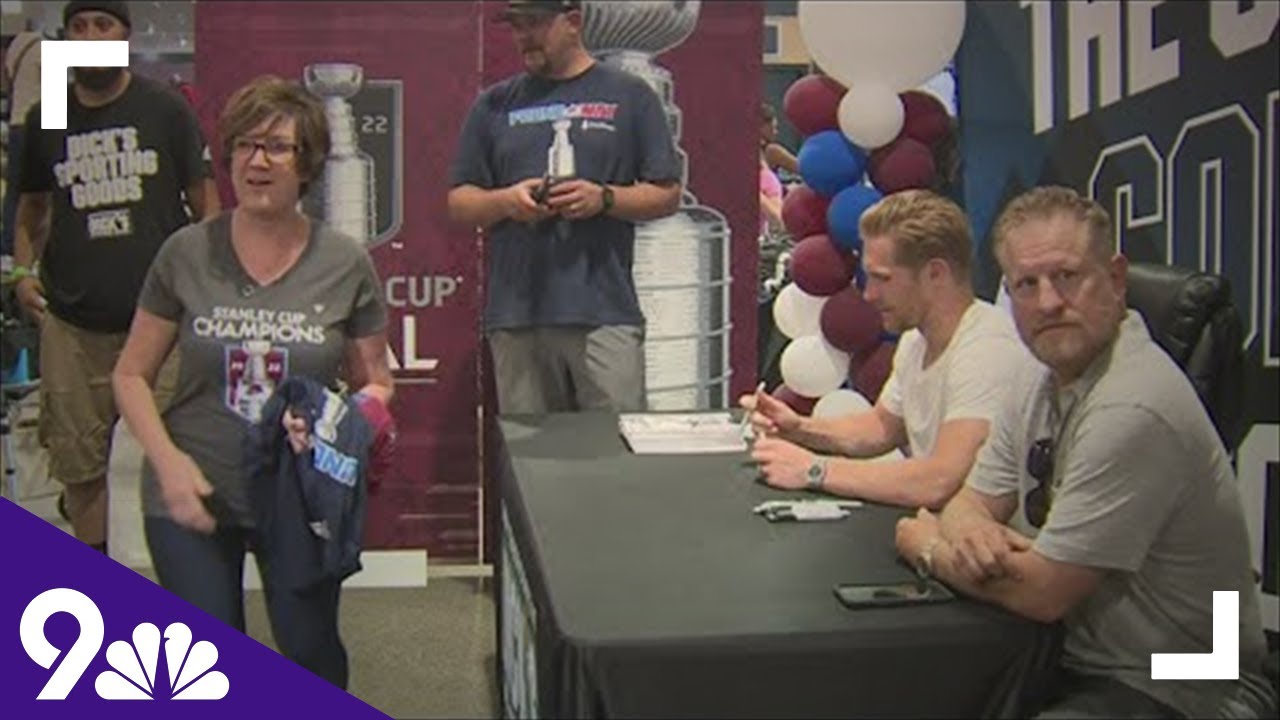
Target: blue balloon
point(830, 163)
point(845, 211)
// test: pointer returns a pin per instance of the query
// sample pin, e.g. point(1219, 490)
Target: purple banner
point(86, 637)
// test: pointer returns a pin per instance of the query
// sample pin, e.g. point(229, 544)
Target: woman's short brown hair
point(923, 226)
point(269, 97)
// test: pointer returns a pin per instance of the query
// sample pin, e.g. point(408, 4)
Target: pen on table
point(746, 416)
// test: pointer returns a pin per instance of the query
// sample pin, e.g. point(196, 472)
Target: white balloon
point(870, 115)
point(796, 313)
point(840, 403)
point(897, 44)
point(813, 368)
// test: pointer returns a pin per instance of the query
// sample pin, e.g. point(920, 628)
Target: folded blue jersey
point(309, 506)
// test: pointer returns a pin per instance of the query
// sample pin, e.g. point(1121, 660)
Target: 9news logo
point(134, 665)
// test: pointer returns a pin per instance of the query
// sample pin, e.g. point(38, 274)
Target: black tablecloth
point(658, 593)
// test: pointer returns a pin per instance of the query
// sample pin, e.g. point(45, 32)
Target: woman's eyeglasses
point(276, 151)
point(1040, 468)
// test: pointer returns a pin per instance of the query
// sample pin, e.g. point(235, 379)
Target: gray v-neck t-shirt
point(238, 341)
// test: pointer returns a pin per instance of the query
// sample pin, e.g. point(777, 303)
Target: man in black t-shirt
point(97, 200)
point(557, 164)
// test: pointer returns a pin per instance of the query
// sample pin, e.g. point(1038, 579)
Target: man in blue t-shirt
point(557, 164)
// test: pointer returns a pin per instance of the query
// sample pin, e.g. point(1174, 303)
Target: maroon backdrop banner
point(398, 78)
point(420, 71)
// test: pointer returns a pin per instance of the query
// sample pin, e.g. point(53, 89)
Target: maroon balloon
point(851, 323)
point(873, 370)
point(925, 118)
point(903, 164)
point(799, 403)
point(804, 212)
point(821, 268)
point(811, 104)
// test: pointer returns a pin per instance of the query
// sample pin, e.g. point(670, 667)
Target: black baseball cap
point(529, 8)
point(119, 10)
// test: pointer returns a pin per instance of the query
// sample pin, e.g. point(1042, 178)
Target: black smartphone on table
point(919, 592)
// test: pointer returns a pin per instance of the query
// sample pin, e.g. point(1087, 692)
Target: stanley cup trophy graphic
point(344, 197)
point(562, 164)
point(561, 161)
point(681, 266)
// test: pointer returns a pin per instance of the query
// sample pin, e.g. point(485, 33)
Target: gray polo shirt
point(1143, 490)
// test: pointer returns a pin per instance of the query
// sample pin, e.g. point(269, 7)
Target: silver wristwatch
point(816, 475)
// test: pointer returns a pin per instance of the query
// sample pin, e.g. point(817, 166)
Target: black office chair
point(1191, 315)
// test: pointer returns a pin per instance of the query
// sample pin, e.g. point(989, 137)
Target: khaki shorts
point(77, 406)
point(568, 369)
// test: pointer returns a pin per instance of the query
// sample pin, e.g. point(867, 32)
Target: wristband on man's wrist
point(21, 271)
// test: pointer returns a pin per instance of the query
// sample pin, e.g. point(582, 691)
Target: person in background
point(558, 164)
point(776, 155)
point(1104, 498)
point(22, 86)
point(250, 298)
point(950, 370)
point(770, 201)
point(97, 201)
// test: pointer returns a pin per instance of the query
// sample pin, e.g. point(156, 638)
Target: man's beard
point(97, 78)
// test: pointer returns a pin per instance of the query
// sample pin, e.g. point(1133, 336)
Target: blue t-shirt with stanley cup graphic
point(561, 272)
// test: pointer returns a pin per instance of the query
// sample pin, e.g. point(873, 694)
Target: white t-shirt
point(966, 381)
point(25, 75)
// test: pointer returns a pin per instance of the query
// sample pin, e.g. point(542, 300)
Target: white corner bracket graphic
point(58, 55)
point(1221, 664)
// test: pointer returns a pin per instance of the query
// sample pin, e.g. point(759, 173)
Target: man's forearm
point(644, 201)
point(31, 229)
point(914, 482)
point(1026, 591)
point(476, 206)
point(965, 511)
point(858, 436)
point(997, 591)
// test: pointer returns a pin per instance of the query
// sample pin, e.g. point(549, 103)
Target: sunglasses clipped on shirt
point(1040, 468)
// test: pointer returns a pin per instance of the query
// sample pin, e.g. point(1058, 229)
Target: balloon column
point(868, 134)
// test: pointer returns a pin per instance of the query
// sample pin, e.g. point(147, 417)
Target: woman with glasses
point(251, 297)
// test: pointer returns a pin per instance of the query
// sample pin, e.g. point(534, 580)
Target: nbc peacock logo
point(133, 676)
point(134, 665)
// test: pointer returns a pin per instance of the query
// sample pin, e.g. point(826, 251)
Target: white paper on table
point(681, 433)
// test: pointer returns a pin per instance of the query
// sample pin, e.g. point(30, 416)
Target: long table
point(644, 586)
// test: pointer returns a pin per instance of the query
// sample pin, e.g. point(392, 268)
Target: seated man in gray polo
point(1104, 497)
